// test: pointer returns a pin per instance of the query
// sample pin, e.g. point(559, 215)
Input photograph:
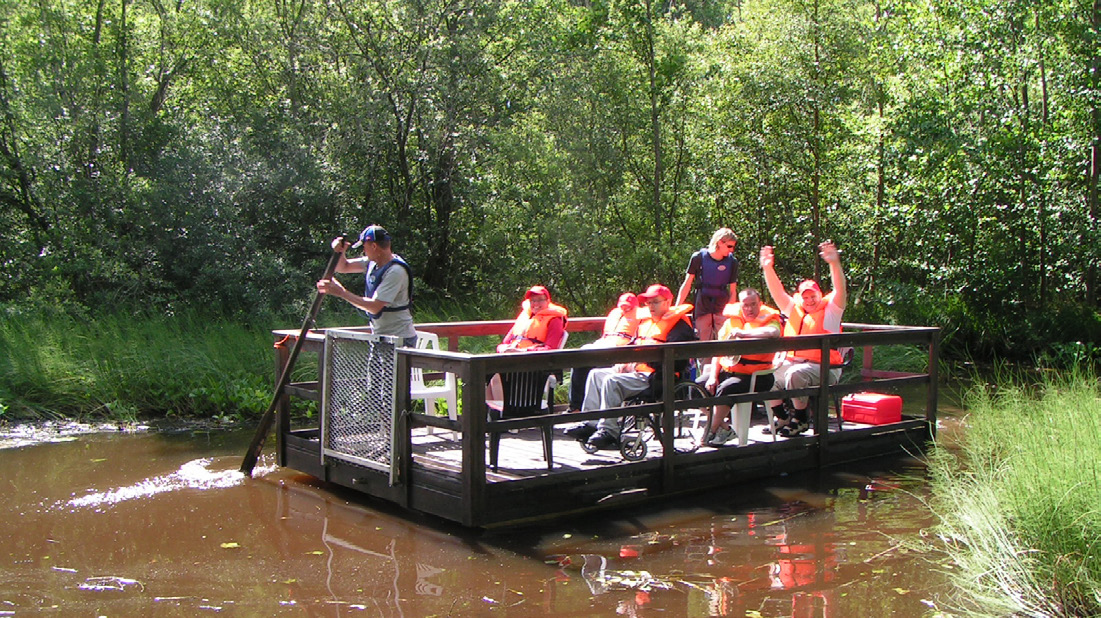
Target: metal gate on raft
point(358, 399)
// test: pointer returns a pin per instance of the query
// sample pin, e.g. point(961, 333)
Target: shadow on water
point(158, 523)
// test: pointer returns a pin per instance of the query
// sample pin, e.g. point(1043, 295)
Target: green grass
point(1020, 499)
point(124, 367)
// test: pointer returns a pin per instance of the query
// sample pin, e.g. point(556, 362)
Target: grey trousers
point(605, 388)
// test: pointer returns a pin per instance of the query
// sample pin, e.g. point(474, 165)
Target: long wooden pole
point(262, 431)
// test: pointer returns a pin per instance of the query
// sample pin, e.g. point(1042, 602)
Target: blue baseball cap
point(373, 233)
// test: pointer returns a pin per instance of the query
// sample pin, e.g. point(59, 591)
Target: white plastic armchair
point(448, 391)
point(744, 410)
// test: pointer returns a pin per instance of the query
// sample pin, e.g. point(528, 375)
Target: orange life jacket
point(802, 323)
point(619, 327)
point(652, 331)
point(532, 329)
point(748, 363)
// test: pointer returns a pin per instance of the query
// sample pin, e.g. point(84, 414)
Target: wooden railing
point(473, 369)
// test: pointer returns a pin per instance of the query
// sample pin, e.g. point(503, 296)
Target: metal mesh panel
point(358, 399)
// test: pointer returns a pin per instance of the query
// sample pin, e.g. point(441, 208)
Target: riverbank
point(1018, 499)
point(129, 366)
point(18, 434)
point(125, 367)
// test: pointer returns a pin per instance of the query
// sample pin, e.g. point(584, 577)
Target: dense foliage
point(201, 154)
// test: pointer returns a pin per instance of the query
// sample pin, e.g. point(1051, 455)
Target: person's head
point(373, 238)
point(722, 242)
point(751, 303)
point(538, 298)
point(627, 302)
point(811, 294)
point(657, 298)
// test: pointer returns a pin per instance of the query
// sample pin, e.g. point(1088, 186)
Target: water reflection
point(811, 553)
point(161, 524)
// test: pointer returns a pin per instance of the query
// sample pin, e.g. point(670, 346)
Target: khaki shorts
point(793, 375)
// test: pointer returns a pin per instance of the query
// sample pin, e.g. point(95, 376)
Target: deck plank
point(521, 454)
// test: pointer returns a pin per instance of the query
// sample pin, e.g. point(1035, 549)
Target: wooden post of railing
point(822, 407)
point(931, 393)
point(282, 408)
point(403, 437)
point(668, 384)
point(473, 421)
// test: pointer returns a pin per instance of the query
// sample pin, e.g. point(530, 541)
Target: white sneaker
point(722, 436)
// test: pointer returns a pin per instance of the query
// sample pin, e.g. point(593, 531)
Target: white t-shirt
point(831, 321)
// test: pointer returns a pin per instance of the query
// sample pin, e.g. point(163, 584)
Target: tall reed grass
point(124, 366)
point(60, 362)
point(1020, 499)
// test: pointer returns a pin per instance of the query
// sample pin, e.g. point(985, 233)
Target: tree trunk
point(437, 270)
point(25, 202)
point(655, 121)
point(1095, 161)
point(1041, 191)
point(124, 88)
point(815, 145)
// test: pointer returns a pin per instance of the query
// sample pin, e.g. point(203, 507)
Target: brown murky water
point(153, 523)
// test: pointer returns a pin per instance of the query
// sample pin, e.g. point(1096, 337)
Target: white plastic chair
point(449, 391)
point(742, 411)
point(565, 338)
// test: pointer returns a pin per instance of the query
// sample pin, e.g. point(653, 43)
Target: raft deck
point(446, 474)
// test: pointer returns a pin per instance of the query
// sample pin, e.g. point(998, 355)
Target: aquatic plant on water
point(1020, 500)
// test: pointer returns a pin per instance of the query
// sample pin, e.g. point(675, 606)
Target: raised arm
point(344, 265)
point(772, 280)
point(832, 257)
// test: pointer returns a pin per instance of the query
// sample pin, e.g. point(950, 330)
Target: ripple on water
point(30, 434)
point(200, 474)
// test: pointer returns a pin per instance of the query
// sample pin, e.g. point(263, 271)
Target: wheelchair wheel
point(588, 448)
point(633, 444)
point(632, 440)
point(687, 422)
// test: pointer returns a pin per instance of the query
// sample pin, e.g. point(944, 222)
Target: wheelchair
point(635, 431)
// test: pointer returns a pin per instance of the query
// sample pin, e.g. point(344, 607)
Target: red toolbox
point(871, 408)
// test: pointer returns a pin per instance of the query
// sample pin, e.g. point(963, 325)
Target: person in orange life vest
point(619, 329)
point(609, 387)
point(748, 319)
point(541, 325)
point(717, 269)
point(389, 290)
point(809, 313)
